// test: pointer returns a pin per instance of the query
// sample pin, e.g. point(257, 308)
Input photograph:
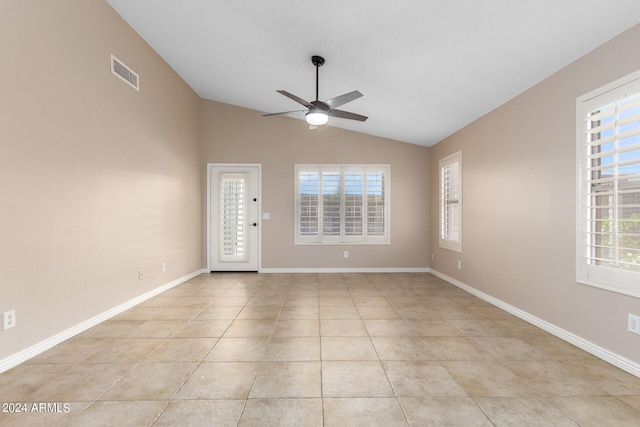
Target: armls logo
point(41, 407)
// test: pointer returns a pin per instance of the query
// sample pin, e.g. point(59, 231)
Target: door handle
point(255, 224)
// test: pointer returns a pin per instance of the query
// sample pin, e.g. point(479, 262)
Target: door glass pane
point(233, 226)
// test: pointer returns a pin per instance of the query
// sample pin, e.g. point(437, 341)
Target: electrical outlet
point(346, 254)
point(459, 265)
point(9, 319)
point(140, 274)
point(163, 267)
point(633, 323)
point(433, 257)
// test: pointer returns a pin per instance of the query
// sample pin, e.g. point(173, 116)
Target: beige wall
point(519, 193)
point(233, 134)
point(97, 180)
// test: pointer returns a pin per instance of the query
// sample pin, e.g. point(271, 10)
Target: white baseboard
point(26, 354)
point(347, 270)
point(615, 359)
point(604, 354)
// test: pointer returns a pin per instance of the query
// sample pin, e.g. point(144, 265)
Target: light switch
point(266, 215)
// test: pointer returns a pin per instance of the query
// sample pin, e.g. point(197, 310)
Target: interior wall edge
point(586, 345)
point(36, 349)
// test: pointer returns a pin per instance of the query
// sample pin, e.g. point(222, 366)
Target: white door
point(234, 206)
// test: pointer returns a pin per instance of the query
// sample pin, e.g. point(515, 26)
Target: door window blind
point(232, 213)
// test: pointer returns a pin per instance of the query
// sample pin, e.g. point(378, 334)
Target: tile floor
point(318, 350)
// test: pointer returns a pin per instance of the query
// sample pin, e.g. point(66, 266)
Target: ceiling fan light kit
point(318, 112)
point(317, 118)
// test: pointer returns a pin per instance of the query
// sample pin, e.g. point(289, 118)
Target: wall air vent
point(125, 73)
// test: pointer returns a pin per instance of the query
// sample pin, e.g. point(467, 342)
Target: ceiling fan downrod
point(318, 61)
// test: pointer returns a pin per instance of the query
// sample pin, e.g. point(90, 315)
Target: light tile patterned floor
point(319, 350)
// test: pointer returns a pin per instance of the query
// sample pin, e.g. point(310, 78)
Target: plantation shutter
point(609, 189)
point(341, 204)
point(308, 190)
point(451, 201)
point(612, 177)
point(375, 204)
point(331, 203)
point(353, 200)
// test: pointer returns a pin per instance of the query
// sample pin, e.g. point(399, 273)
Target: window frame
point(444, 239)
point(343, 238)
point(605, 277)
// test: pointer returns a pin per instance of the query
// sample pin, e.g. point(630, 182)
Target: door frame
point(210, 167)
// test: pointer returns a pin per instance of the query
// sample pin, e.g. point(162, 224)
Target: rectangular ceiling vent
point(125, 73)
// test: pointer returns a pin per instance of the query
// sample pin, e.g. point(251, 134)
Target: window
point(608, 230)
point(338, 204)
point(451, 202)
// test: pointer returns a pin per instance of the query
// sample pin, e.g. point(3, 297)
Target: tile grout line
point(246, 400)
point(197, 365)
point(395, 394)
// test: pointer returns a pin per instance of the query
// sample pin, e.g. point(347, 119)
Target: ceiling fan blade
point(283, 112)
point(347, 115)
point(295, 98)
point(343, 99)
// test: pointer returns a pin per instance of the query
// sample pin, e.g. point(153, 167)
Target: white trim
point(347, 270)
point(26, 354)
point(609, 87)
point(608, 356)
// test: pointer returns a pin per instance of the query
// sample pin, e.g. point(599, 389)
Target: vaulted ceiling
point(426, 67)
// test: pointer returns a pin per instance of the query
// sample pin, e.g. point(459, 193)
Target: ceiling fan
point(318, 112)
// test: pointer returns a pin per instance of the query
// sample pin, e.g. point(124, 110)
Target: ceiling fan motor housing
point(320, 106)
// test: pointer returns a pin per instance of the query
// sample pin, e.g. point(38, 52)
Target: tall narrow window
point(609, 187)
point(451, 202)
point(338, 204)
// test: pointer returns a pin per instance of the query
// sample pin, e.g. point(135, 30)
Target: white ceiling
point(426, 67)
